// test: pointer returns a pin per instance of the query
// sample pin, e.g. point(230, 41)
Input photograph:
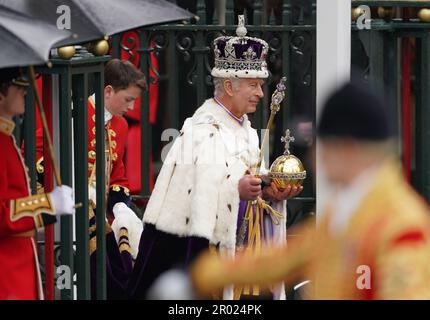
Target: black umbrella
point(94, 19)
point(26, 40)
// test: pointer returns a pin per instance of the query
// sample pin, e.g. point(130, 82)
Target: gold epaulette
point(6, 126)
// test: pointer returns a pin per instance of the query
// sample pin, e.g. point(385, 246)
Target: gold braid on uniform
point(39, 207)
point(117, 194)
point(123, 241)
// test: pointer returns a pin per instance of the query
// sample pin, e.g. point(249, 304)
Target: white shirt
point(108, 115)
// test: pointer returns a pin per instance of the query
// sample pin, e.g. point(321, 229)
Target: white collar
point(238, 139)
point(108, 115)
point(240, 120)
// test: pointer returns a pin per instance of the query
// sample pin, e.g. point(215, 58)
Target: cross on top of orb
point(287, 139)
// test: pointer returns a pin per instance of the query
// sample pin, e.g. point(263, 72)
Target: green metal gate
point(185, 56)
point(184, 53)
point(393, 55)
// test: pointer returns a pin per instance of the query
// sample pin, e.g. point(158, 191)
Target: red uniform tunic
point(117, 129)
point(20, 215)
point(117, 186)
point(119, 261)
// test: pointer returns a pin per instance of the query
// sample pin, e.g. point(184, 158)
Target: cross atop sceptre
point(287, 139)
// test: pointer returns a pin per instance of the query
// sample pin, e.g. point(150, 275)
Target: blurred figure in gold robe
point(373, 239)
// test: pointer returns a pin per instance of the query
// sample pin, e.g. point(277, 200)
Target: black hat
point(356, 112)
point(13, 76)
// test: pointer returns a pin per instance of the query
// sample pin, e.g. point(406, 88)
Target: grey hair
point(219, 85)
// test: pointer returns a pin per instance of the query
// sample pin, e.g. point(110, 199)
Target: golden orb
point(66, 52)
point(287, 170)
point(424, 15)
point(386, 13)
point(99, 48)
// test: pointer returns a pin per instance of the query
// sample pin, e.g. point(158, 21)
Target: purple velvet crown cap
point(240, 56)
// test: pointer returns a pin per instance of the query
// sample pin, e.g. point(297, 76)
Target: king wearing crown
point(205, 183)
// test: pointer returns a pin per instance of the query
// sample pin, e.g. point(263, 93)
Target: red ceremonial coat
point(117, 130)
point(116, 137)
point(20, 215)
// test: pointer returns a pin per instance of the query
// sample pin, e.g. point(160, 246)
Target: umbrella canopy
point(25, 40)
point(94, 19)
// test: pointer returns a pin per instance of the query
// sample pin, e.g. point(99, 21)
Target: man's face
point(13, 102)
point(121, 101)
point(247, 95)
point(337, 159)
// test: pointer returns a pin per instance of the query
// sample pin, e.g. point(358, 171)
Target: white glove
point(126, 218)
point(63, 200)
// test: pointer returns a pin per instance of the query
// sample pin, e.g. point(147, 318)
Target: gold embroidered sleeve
point(39, 207)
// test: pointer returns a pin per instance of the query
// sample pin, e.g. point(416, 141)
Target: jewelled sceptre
point(275, 105)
